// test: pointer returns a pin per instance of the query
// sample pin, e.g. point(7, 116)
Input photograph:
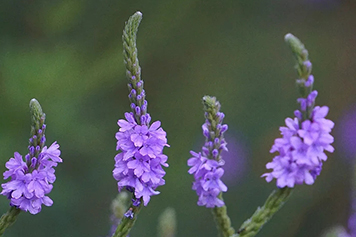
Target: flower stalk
point(138, 165)
point(8, 219)
point(263, 214)
point(128, 221)
point(222, 220)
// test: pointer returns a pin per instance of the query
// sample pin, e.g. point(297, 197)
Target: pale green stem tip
point(297, 47)
point(211, 105)
point(294, 42)
point(132, 25)
point(36, 111)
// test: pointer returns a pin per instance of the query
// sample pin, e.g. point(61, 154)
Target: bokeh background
point(68, 55)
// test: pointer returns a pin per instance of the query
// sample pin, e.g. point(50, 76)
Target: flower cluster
point(307, 136)
point(207, 184)
point(301, 149)
point(32, 179)
point(138, 166)
point(207, 165)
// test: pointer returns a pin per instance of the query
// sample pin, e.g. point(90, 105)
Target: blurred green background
point(68, 55)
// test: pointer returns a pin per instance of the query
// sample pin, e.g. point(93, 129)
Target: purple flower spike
point(304, 139)
point(139, 163)
point(206, 166)
point(32, 179)
point(138, 166)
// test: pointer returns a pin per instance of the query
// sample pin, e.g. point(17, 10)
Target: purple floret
point(14, 164)
point(195, 162)
point(212, 180)
point(210, 199)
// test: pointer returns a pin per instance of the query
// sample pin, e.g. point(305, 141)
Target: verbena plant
point(140, 159)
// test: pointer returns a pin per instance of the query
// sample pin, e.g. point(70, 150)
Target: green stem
point(8, 219)
point(222, 220)
point(263, 214)
point(126, 224)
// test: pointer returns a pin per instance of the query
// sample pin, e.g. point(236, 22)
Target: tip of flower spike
point(138, 13)
point(35, 106)
point(209, 100)
point(296, 46)
point(37, 115)
point(33, 101)
point(288, 36)
point(292, 40)
point(210, 104)
point(133, 23)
